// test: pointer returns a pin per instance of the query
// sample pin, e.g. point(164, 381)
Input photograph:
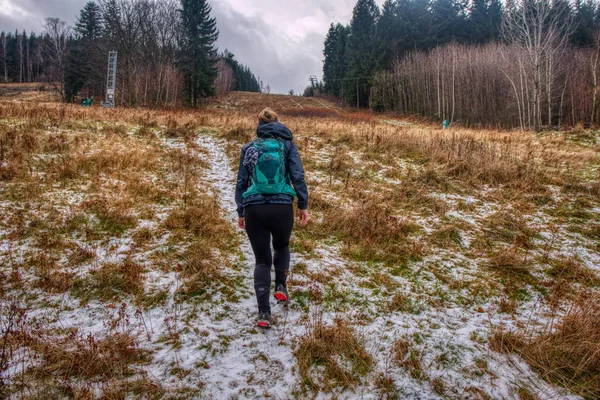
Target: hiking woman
point(264, 194)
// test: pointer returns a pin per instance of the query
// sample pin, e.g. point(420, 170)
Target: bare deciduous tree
point(225, 81)
point(56, 49)
point(541, 31)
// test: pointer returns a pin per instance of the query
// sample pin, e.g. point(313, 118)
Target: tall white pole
point(111, 80)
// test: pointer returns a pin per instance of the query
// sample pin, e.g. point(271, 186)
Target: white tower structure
point(111, 80)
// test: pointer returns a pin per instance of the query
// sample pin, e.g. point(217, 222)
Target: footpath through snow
point(255, 363)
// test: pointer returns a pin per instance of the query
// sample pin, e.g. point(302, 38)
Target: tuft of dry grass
point(114, 215)
point(401, 302)
point(570, 270)
point(509, 227)
point(110, 281)
point(175, 129)
point(240, 134)
point(511, 264)
point(50, 276)
point(409, 359)
point(200, 219)
point(88, 357)
point(371, 230)
point(567, 354)
point(331, 356)
point(447, 236)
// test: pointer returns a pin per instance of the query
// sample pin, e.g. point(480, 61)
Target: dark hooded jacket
point(294, 168)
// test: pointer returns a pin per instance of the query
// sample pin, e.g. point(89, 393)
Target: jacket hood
point(275, 129)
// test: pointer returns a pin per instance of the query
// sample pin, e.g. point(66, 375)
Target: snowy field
point(123, 274)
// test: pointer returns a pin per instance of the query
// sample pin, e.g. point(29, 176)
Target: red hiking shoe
point(281, 294)
point(264, 320)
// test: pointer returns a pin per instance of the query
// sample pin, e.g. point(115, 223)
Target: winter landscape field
point(439, 264)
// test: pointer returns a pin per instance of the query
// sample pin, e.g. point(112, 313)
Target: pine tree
point(76, 65)
point(3, 43)
point(584, 13)
point(388, 33)
point(89, 24)
point(245, 80)
point(418, 33)
point(197, 57)
point(485, 20)
point(448, 21)
point(361, 51)
point(333, 64)
point(83, 62)
point(33, 58)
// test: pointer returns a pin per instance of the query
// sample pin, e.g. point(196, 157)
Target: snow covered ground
point(208, 347)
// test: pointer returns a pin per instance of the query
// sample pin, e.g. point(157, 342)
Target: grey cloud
point(256, 45)
point(35, 12)
point(282, 54)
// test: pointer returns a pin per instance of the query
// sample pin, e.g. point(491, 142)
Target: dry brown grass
point(65, 363)
point(111, 281)
point(572, 270)
point(511, 264)
point(310, 112)
point(331, 356)
point(382, 178)
point(447, 236)
point(89, 357)
point(401, 302)
point(108, 362)
point(509, 227)
point(201, 219)
point(409, 359)
point(371, 230)
point(50, 276)
point(566, 355)
point(174, 129)
point(569, 355)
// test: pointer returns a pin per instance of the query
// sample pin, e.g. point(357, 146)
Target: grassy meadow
point(439, 264)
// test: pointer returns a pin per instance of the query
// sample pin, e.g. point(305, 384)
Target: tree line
point(527, 64)
point(166, 54)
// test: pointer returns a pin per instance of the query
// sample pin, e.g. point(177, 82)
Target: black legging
point(262, 222)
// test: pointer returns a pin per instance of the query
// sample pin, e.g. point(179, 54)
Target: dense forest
point(527, 63)
point(166, 54)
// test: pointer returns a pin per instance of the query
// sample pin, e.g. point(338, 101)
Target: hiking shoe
point(264, 319)
point(281, 294)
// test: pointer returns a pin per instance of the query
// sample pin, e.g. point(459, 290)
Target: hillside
point(438, 264)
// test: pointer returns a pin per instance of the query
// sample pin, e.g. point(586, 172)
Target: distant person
point(270, 176)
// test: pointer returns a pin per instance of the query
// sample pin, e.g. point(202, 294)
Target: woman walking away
point(269, 166)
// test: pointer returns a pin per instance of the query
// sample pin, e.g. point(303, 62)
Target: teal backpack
point(270, 174)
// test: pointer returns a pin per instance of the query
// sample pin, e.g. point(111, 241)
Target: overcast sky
point(280, 40)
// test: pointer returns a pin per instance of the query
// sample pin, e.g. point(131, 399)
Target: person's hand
point(303, 217)
point(242, 223)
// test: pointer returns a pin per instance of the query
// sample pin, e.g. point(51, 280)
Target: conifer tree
point(333, 65)
point(388, 34)
point(76, 68)
point(198, 55)
point(485, 20)
point(360, 53)
point(89, 24)
point(583, 16)
point(418, 23)
point(448, 21)
point(84, 64)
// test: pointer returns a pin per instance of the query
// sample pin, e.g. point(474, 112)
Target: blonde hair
point(267, 115)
